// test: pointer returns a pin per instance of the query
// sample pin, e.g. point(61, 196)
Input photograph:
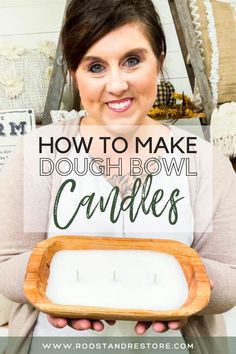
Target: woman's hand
point(158, 326)
point(161, 327)
point(78, 324)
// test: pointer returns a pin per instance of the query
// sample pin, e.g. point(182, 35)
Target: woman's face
point(117, 78)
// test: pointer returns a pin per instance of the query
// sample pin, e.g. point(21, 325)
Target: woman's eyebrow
point(131, 51)
point(137, 51)
point(91, 58)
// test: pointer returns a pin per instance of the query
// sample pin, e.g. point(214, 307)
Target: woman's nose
point(116, 83)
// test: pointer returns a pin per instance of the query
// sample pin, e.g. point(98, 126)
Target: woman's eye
point(132, 61)
point(96, 68)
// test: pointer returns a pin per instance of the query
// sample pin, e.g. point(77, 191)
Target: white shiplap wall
point(28, 22)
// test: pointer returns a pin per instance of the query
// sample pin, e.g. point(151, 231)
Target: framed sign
point(13, 124)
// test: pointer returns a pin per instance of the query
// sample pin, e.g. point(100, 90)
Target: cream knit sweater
point(217, 247)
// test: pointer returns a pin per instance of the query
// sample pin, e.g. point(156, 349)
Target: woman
point(115, 50)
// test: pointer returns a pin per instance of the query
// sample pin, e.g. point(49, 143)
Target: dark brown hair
point(87, 21)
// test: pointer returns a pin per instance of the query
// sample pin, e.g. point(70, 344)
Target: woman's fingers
point(57, 322)
point(177, 324)
point(97, 325)
point(78, 324)
point(211, 284)
point(160, 327)
point(85, 324)
point(142, 327)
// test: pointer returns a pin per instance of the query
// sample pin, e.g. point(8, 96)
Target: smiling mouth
point(121, 105)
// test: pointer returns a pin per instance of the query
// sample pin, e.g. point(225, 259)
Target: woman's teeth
point(119, 106)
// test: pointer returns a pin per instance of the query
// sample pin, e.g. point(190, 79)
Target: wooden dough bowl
point(39, 267)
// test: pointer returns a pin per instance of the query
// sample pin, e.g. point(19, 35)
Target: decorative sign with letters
point(13, 124)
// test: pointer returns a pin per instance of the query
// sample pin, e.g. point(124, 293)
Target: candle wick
point(114, 276)
point(77, 275)
point(155, 278)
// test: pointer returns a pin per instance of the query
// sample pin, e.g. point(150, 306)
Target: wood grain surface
point(39, 267)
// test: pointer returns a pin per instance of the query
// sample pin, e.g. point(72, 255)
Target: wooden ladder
point(189, 46)
point(58, 81)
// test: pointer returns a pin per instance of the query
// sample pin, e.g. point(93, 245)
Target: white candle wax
point(117, 278)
